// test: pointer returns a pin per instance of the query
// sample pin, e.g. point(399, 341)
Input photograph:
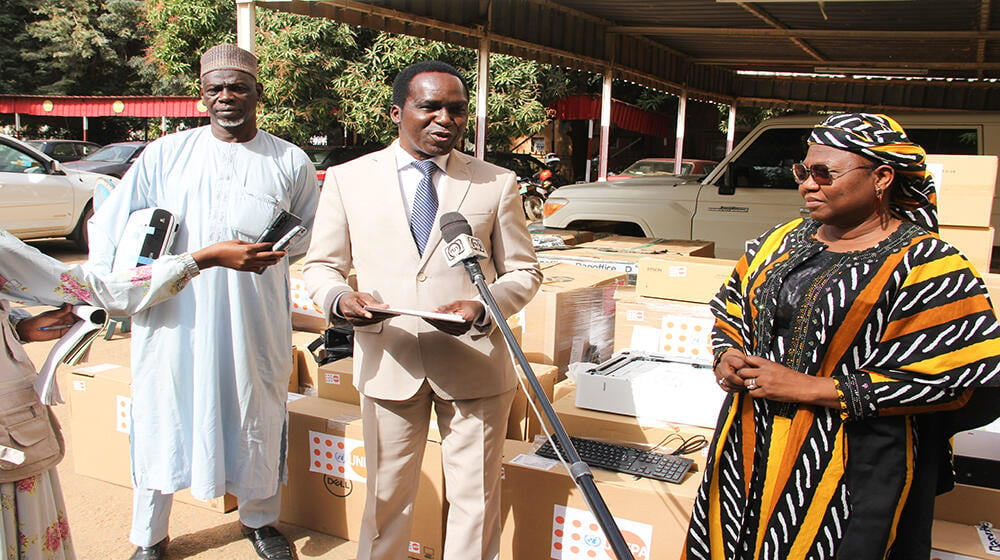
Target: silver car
point(39, 198)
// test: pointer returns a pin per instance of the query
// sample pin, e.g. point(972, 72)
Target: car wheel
point(80, 237)
point(533, 205)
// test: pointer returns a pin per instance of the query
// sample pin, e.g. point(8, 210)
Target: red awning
point(92, 106)
point(624, 115)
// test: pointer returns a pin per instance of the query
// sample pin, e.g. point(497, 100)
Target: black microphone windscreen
point(454, 224)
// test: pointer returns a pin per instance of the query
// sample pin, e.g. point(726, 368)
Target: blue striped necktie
point(425, 204)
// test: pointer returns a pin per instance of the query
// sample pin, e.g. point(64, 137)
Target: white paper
point(68, 350)
point(989, 537)
point(453, 317)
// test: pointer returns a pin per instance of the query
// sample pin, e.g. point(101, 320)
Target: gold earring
point(879, 191)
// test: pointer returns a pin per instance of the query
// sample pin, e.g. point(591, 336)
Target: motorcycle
point(535, 190)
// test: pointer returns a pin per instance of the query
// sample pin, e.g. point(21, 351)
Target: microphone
point(461, 246)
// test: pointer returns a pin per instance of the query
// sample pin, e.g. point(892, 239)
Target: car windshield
point(650, 168)
point(115, 154)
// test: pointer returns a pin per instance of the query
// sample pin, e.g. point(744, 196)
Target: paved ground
point(100, 513)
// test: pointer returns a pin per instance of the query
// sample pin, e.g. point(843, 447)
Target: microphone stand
point(579, 470)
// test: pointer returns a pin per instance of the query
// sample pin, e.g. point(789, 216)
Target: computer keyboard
point(625, 459)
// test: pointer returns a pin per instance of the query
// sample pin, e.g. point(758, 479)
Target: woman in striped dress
point(841, 338)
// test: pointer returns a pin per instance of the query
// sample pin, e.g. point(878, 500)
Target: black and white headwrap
point(882, 139)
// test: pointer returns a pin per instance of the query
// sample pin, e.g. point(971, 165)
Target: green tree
point(18, 75)
point(298, 58)
point(87, 47)
point(519, 89)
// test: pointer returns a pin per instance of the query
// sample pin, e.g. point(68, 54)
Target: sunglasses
point(820, 173)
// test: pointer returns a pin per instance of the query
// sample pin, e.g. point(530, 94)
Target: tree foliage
point(298, 58)
point(18, 75)
point(317, 74)
point(518, 88)
point(87, 47)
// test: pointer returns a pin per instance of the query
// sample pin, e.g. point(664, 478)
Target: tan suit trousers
point(395, 434)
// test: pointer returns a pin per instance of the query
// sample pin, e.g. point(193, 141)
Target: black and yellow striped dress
point(903, 328)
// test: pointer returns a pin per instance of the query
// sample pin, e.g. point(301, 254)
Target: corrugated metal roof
point(700, 45)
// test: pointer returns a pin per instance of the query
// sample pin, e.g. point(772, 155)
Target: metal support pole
point(602, 168)
point(482, 94)
point(246, 24)
point(590, 138)
point(679, 146)
point(731, 129)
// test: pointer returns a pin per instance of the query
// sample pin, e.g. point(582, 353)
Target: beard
point(231, 122)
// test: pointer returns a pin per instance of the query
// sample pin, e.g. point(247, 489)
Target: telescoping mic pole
point(463, 247)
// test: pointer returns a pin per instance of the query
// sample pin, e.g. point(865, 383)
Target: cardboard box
point(545, 515)
point(622, 253)
point(306, 315)
point(992, 282)
point(958, 541)
point(336, 382)
point(682, 278)
point(522, 423)
point(958, 514)
point(100, 400)
point(626, 265)
point(563, 388)
point(976, 243)
point(571, 318)
point(646, 246)
point(306, 365)
point(676, 329)
point(554, 238)
point(329, 496)
point(965, 188)
point(117, 350)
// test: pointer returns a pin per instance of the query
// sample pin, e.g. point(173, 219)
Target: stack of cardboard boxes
point(100, 399)
point(965, 188)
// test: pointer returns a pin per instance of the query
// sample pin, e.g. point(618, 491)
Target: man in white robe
point(210, 367)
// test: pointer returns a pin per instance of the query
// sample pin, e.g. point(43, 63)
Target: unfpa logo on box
point(576, 535)
point(337, 456)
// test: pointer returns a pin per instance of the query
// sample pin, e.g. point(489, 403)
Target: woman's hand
point(725, 370)
point(55, 323)
point(238, 255)
point(766, 379)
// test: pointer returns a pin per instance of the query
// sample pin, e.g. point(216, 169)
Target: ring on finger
point(722, 381)
point(752, 384)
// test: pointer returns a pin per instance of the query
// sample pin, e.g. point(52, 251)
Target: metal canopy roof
point(940, 54)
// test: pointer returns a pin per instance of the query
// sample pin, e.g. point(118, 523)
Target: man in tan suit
point(378, 214)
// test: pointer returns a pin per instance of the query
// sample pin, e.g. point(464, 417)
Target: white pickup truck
point(751, 190)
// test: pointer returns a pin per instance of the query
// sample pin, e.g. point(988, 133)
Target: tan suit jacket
point(362, 223)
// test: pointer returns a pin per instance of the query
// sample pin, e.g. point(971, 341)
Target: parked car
point(64, 150)
point(39, 198)
point(665, 166)
point(113, 159)
point(324, 157)
point(525, 166)
point(751, 190)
